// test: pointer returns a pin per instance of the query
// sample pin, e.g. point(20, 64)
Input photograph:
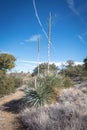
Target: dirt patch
point(9, 110)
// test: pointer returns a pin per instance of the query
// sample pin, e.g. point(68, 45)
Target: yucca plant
point(45, 93)
point(41, 96)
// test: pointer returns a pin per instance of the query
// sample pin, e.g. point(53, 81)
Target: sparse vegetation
point(43, 69)
point(17, 81)
point(55, 117)
point(75, 71)
point(47, 90)
point(67, 82)
point(85, 63)
point(49, 102)
point(8, 83)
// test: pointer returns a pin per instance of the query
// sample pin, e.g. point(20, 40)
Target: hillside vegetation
point(57, 101)
point(54, 101)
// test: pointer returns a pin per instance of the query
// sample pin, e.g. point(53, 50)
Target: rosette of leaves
point(45, 93)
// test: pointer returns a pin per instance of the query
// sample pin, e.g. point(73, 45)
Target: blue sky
point(22, 21)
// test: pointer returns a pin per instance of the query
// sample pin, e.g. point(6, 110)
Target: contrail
point(39, 21)
point(72, 6)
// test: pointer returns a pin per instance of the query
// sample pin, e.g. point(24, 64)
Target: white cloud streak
point(3, 51)
point(84, 34)
point(78, 63)
point(59, 64)
point(26, 61)
point(56, 63)
point(81, 38)
point(71, 5)
point(28, 66)
point(23, 66)
point(38, 18)
point(32, 38)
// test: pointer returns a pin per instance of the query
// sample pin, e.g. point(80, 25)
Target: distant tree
point(69, 69)
point(70, 63)
point(85, 63)
point(79, 69)
point(44, 67)
point(7, 62)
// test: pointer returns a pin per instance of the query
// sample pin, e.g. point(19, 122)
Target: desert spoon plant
point(45, 92)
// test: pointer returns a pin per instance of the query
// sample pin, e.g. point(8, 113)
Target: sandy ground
point(9, 110)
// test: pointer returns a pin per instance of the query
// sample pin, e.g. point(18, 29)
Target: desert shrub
point(85, 63)
point(31, 83)
point(6, 85)
point(67, 82)
point(1, 73)
point(83, 75)
point(43, 68)
point(17, 81)
point(70, 72)
point(46, 91)
point(56, 117)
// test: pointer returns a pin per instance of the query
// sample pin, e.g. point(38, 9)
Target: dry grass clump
point(53, 117)
point(76, 96)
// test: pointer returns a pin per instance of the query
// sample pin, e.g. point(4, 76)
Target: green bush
point(83, 75)
point(67, 82)
point(17, 81)
point(1, 73)
point(6, 85)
